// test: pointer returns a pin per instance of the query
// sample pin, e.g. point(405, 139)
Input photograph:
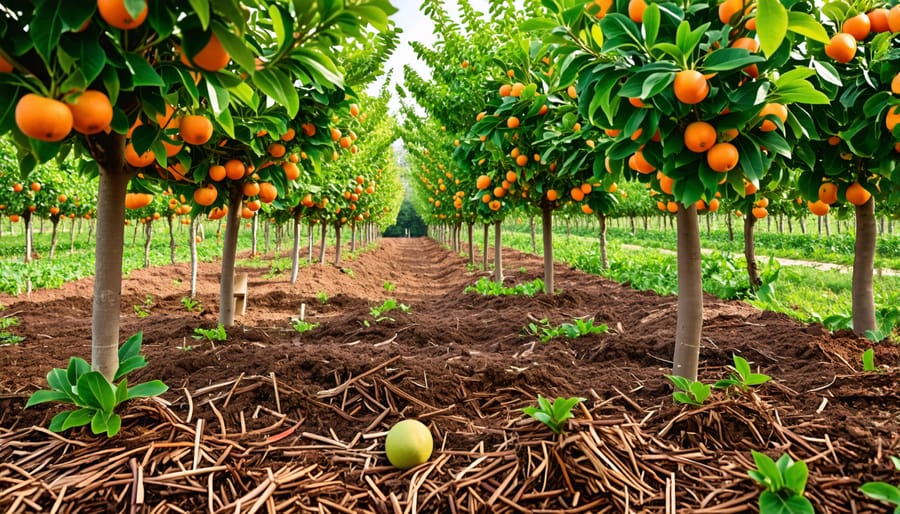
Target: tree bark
point(309, 241)
point(229, 255)
point(337, 245)
point(322, 245)
point(29, 235)
point(728, 223)
point(148, 238)
point(295, 253)
point(863, 266)
point(110, 242)
point(547, 240)
point(172, 245)
point(484, 249)
point(498, 254)
point(267, 237)
point(604, 259)
point(353, 237)
point(72, 237)
point(54, 238)
point(533, 237)
point(750, 253)
point(254, 228)
point(192, 244)
point(690, 295)
point(471, 243)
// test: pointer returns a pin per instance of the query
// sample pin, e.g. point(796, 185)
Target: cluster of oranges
point(842, 47)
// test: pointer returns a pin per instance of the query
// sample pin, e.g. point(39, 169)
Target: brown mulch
point(276, 421)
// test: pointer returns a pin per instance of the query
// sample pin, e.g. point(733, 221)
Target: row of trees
point(735, 103)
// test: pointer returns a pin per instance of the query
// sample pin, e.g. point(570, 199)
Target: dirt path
point(302, 417)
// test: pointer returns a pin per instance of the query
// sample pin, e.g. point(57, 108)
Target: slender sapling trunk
point(863, 265)
point(229, 255)
point(690, 295)
point(750, 252)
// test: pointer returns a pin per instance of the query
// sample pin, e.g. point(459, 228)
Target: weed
point(378, 312)
point(868, 360)
point(143, 310)
point(96, 398)
point(784, 481)
point(689, 393)
point(523, 270)
point(487, 287)
point(322, 296)
point(302, 326)
point(210, 334)
point(389, 286)
point(745, 377)
point(191, 304)
point(555, 414)
point(545, 331)
point(6, 337)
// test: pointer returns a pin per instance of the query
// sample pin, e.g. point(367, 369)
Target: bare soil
point(288, 422)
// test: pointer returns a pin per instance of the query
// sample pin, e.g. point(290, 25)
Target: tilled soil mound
point(273, 420)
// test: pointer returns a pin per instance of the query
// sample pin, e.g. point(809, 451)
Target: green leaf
point(726, 59)
point(147, 389)
point(795, 476)
point(44, 396)
point(77, 368)
point(236, 48)
point(772, 503)
point(46, 28)
point(75, 418)
point(766, 466)
point(684, 398)
point(741, 365)
point(868, 360)
point(91, 58)
point(96, 391)
point(279, 87)
point(131, 347)
point(538, 24)
point(651, 24)
point(113, 425)
point(881, 491)
point(130, 364)
point(143, 74)
point(201, 8)
point(772, 25)
point(805, 25)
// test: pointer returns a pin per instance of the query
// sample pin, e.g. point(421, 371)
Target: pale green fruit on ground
point(408, 444)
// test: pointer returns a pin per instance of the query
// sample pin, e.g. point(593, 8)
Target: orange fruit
point(552, 195)
point(14, 218)
point(690, 86)
point(495, 205)
point(857, 26)
point(637, 102)
point(517, 89)
point(253, 205)
point(250, 189)
point(5, 66)
point(728, 9)
point(195, 129)
point(779, 110)
point(834, 140)
point(91, 112)
point(213, 56)
point(828, 193)
point(289, 135)
point(666, 184)
point(499, 192)
point(699, 136)
point(511, 177)
point(749, 188)
point(277, 150)
point(722, 157)
point(267, 192)
point(747, 43)
point(483, 182)
point(216, 173)
point(35, 186)
point(205, 195)
point(54, 210)
point(138, 161)
point(522, 160)
point(116, 15)
point(759, 212)
point(354, 110)
point(603, 5)
point(577, 194)
point(505, 89)
point(291, 170)
point(218, 213)
point(714, 205)
point(62, 198)
point(137, 200)
point(819, 208)
point(572, 92)
point(43, 118)
point(878, 20)
point(857, 194)
point(891, 119)
point(235, 170)
point(308, 129)
point(842, 47)
point(585, 208)
point(335, 134)
point(638, 163)
point(586, 188)
point(246, 213)
point(512, 122)
point(636, 10)
point(672, 206)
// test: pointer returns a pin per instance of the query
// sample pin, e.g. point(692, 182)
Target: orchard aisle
point(292, 418)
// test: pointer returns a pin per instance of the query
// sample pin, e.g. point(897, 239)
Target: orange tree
point(131, 63)
point(856, 154)
point(682, 95)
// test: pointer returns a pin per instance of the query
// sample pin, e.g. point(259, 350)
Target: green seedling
point(545, 331)
point(96, 398)
point(883, 491)
point(784, 481)
point(210, 334)
point(191, 304)
point(7, 337)
point(868, 360)
point(523, 270)
point(745, 378)
point(689, 393)
point(302, 326)
point(322, 296)
point(389, 286)
point(143, 310)
point(378, 312)
point(555, 414)
point(487, 287)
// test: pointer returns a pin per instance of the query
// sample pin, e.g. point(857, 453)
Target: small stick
point(197, 443)
point(231, 392)
point(275, 386)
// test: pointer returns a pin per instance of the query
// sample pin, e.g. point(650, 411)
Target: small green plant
point(210, 334)
point(95, 397)
point(689, 393)
point(349, 272)
point(389, 286)
point(523, 270)
point(487, 287)
point(745, 377)
point(7, 337)
point(322, 296)
point(378, 312)
point(277, 268)
point(868, 360)
point(191, 304)
point(143, 310)
point(545, 331)
point(555, 414)
point(302, 326)
point(784, 481)
point(883, 491)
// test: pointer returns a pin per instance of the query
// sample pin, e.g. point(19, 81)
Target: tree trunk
point(169, 220)
point(604, 259)
point(134, 233)
point(484, 249)
point(690, 295)
point(107, 305)
point(471, 243)
point(254, 229)
point(267, 237)
point(337, 244)
point(322, 245)
point(91, 231)
point(863, 265)
point(229, 255)
point(72, 237)
point(802, 223)
point(309, 241)
point(728, 223)
point(498, 254)
point(547, 240)
point(353, 237)
point(750, 253)
point(148, 238)
point(192, 244)
point(295, 253)
point(54, 238)
point(29, 235)
point(531, 229)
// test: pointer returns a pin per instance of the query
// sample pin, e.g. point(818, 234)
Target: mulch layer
point(272, 420)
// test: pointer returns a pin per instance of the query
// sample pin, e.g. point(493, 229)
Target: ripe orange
point(62, 198)
point(253, 205)
point(512, 122)
point(819, 208)
point(499, 192)
point(892, 118)
point(585, 208)
point(722, 157)
point(138, 161)
point(586, 188)
point(517, 89)
point(577, 194)
point(522, 160)
point(759, 212)
point(603, 5)
point(857, 26)
point(14, 218)
point(137, 200)
point(779, 110)
point(250, 189)
point(637, 102)
point(116, 15)
point(728, 9)
point(638, 163)
point(747, 43)
point(213, 56)
point(35, 187)
point(246, 213)
point(54, 210)
point(289, 135)
point(483, 182)
point(495, 205)
point(218, 213)
point(828, 193)
point(196, 129)
point(91, 112)
point(552, 195)
point(308, 129)
point(291, 170)
point(714, 205)
point(699, 136)
point(749, 188)
point(857, 194)
point(205, 195)
point(335, 134)
point(878, 20)
point(354, 110)
point(235, 170)
point(511, 177)
point(834, 140)
point(43, 118)
point(216, 173)
point(572, 92)
point(842, 47)
point(5, 66)
point(277, 150)
point(666, 184)
point(690, 86)
point(672, 206)
point(636, 10)
point(267, 192)
point(505, 90)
